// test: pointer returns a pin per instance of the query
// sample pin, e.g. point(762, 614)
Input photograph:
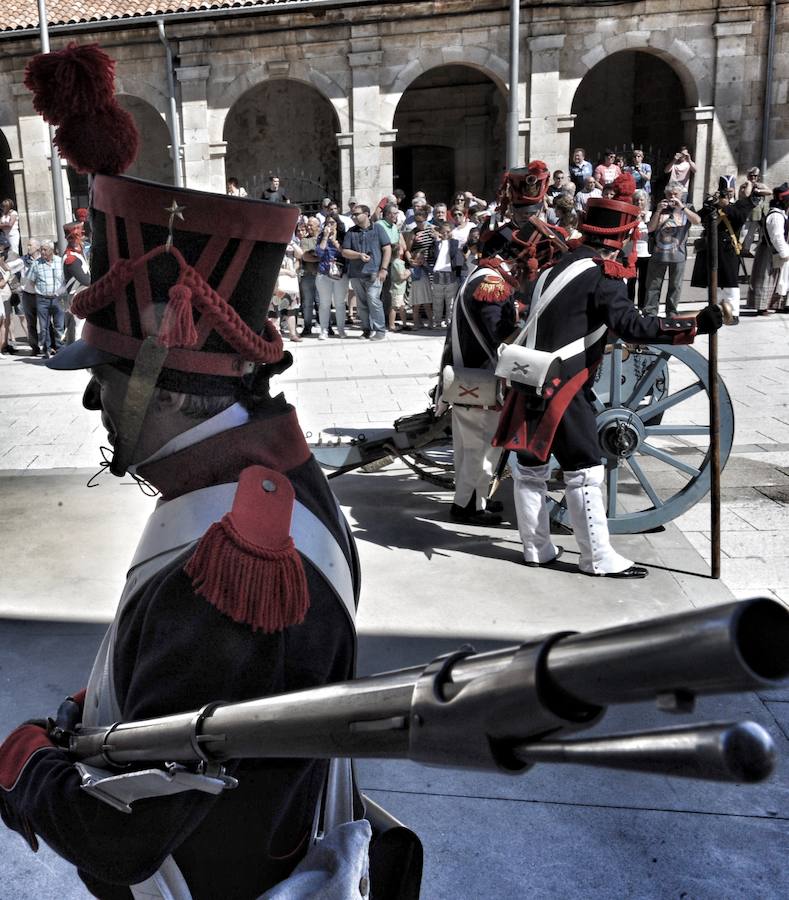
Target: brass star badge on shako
point(176, 212)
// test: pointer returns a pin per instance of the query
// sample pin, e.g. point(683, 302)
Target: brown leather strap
point(142, 384)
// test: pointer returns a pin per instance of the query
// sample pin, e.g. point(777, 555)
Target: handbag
point(336, 270)
point(461, 385)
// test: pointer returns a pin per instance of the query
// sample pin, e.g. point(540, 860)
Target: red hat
point(524, 186)
point(73, 228)
point(196, 271)
point(613, 219)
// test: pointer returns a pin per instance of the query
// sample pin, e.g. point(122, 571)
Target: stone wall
point(352, 67)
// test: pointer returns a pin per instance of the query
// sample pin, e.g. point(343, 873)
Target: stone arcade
point(355, 98)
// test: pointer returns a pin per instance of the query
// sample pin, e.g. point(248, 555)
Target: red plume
point(69, 82)
point(624, 185)
point(105, 142)
point(74, 89)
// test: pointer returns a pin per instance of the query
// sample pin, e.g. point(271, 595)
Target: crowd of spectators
point(390, 268)
point(38, 285)
point(396, 266)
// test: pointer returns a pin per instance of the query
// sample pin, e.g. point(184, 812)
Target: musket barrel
point(735, 647)
point(474, 709)
point(742, 751)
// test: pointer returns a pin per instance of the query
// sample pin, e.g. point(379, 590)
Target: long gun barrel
point(504, 710)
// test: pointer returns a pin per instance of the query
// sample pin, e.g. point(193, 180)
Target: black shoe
point(366, 333)
point(305, 332)
point(34, 351)
point(494, 506)
point(631, 572)
point(539, 565)
point(473, 516)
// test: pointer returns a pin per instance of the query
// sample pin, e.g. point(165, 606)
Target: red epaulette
point(246, 565)
point(498, 285)
point(68, 259)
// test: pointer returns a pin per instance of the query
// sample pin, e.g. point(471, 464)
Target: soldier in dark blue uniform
point(590, 297)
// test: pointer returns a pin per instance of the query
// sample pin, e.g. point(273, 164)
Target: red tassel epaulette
point(246, 565)
point(613, 269)
point(493, 289)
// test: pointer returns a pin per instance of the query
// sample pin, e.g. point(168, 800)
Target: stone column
point(386, 144)
point(698, 134)
point(549, 138)
point(33, 183)
point(194, 125)
point(217, 151)
point(345, 143)
point(728, 125)
point(371, 152)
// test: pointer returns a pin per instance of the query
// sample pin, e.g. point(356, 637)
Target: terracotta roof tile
point(18, 14)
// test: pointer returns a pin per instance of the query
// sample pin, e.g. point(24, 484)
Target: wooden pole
point(715, 444)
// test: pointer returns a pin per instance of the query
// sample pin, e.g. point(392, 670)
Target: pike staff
point(715, 449)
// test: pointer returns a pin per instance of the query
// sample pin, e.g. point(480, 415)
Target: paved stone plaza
point(430, 586)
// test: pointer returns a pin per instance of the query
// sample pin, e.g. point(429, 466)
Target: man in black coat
point(228, 596)
point(588, 296)
point(731, 218)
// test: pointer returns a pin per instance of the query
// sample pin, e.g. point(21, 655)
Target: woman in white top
point(9, 225)
point(641, 200)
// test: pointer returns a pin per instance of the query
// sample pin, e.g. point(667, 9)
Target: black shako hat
point(193, 270)
point(612, 220)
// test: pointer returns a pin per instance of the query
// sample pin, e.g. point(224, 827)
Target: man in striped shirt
point(46, 273)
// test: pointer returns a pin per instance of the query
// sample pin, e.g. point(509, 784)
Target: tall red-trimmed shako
point(611, 223)
point(182, 279)
point(781, 193)
point(526, 241)
point(525, 186)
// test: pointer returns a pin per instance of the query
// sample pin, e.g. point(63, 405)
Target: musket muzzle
point(735, 647)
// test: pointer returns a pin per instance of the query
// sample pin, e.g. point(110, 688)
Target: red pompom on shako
point(79, 78)
point(109, 146)
point(74, 89)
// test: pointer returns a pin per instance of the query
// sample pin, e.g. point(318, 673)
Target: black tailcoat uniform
point(175, 652)
point(564, 423)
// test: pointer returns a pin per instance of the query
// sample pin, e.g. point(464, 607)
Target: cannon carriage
point(652, 405)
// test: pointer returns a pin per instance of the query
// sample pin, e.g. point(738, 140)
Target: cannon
point(652, 404)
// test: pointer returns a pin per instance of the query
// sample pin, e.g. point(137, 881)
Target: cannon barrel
point(478, 710)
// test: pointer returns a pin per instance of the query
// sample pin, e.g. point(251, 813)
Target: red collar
point(276, 442)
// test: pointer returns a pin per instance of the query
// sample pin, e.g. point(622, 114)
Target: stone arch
point(305, 154)
point(143, 90)
point(692, 67)
point(475, 57)
point(224, 95)
point(631, 98)
point(450, 129)
point(154, 162)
